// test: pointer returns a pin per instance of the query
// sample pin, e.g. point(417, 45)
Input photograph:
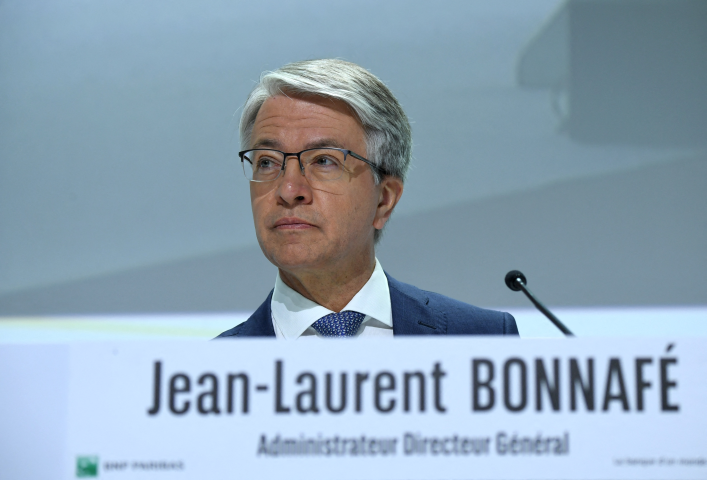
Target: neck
point(332, 288)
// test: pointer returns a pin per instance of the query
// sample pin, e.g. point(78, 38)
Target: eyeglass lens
point(320, 165)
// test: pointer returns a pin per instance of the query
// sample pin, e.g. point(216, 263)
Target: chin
point(293, 256)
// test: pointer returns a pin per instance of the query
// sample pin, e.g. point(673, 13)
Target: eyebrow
point(324, 142)
point(266, 142)
point(319, 143)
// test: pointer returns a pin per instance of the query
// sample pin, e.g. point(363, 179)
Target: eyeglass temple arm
point(376, 167)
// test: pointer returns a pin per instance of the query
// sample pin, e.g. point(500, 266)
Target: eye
point(266, 163)
point(325, 161)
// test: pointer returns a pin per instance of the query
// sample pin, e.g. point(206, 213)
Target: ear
point(391, 189)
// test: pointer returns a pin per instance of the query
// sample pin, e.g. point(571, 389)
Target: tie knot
point(342, 324)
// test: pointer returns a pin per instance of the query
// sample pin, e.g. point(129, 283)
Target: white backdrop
point(120, 191)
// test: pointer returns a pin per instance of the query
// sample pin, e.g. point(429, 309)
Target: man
point(326, 147)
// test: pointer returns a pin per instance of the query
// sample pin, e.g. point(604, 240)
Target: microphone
point(516, 281)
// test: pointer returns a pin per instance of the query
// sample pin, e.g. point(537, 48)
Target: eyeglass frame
point(286, 155)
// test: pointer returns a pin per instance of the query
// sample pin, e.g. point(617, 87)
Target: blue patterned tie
point(342, 324)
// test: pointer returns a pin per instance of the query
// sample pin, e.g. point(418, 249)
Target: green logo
point(86, 466)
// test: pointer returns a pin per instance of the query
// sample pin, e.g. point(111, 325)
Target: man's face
point(303, 225)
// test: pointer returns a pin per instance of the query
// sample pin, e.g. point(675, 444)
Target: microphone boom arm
point(545, 311)
point(515, 280)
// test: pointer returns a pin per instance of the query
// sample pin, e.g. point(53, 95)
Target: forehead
point(295, 121)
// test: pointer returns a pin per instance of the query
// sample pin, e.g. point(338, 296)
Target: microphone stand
point(516, 281)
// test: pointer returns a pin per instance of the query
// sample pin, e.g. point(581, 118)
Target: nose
point(293, 186)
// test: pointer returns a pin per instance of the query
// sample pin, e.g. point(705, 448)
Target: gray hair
point(387, 129)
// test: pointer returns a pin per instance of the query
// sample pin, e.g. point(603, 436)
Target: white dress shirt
point(293, 314)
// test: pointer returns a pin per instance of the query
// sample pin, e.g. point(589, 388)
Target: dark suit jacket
point(415, 312)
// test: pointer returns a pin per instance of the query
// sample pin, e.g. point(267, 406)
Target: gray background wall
point(576, 158)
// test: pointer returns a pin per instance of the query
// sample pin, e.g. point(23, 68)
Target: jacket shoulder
point(461, 318)
point(258, 325)
point(233, 332)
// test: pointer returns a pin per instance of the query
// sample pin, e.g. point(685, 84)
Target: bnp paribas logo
point(87, 466)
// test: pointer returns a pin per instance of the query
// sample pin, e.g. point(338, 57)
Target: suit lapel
point(412, 314)
point(260, 323)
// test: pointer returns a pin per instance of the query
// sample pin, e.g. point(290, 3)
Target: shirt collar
point(293, 313)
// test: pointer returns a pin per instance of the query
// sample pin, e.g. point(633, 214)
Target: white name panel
point(419, 408)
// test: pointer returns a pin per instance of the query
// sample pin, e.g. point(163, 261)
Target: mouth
point(292, 223)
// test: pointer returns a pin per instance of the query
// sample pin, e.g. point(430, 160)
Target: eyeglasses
point(319, 164)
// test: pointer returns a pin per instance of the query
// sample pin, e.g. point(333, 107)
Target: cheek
point(358, 217)
point(257, 206)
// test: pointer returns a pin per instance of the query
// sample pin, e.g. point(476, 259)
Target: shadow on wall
point(632, 238)
point(632, 72)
